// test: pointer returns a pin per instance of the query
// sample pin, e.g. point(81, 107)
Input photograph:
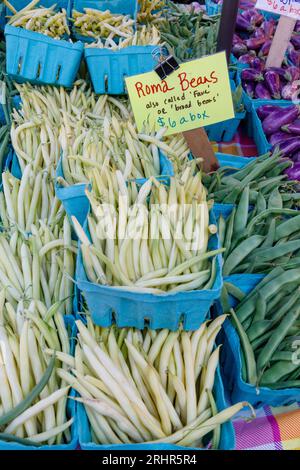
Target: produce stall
point(150, 226)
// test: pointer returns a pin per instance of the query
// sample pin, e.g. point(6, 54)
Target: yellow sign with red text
point(195, 95)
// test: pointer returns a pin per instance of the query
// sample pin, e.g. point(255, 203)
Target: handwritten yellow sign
point(195, 95)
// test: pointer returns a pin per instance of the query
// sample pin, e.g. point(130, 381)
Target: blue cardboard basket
point(71, 411)
point(129, 7)
point(231, 362)
point(20, 4)
point(37, 58)
point(131, 309)
point(245, 282)
point(212, 8)
point(227, 439)
point(108, 69)
point(74, 198)
point(259, 136)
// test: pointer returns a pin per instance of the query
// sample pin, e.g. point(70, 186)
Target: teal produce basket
point(75, 200)
point(71, 410)
point(108, 69)
point(131, 309)
point(227, 438)
point(224, 131)
point(231, 365)
point(256, 128)
point(213, 8)
point(39, 59)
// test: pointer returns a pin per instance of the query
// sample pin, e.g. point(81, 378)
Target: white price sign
point(289, 8)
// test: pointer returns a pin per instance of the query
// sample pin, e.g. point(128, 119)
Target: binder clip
point(167, 64)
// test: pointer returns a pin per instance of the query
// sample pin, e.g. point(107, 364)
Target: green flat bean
point(281, 385)
point(234, 291)
point(275, 200)
point(258, 328)
point(241, 215)
point(288, 227)
point(248, 351)
point(277, 372)
point(269, 254)
point(260, 309)
point(241, 252)
point(229, 233)
point(18, 440)
point(278, 335)
point(24, 404)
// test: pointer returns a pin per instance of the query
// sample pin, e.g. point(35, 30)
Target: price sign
point(289, 8)
point(195, 95)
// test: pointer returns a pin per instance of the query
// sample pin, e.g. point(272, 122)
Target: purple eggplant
point(239, 49)
point(292, 127)
point(257, 64)
point(249, 88)
point(289, 146)
point(246, 58)
point(297, 27)
point(265, 110)
point(269, 27)
point(243, 25)
point(296, 157)
point(293, 172)
point(237, 39)
point(256, 18)
point(292, 73)
point(295, 40)
point(265, 48)
point(255, 43)
point(275, 120)
point(290, 91)
point(293, 56)
point(258, 33)
point(280, 71)
point(261, 92)
point(252, 75)
point(278, 137)
point(272, 81)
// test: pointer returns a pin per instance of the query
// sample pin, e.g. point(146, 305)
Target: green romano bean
point(258, 328)
point(222, 230)
point(261, 203)
point(278, 335)
point(241, 215)
point(268, 290)
point(270, 254)
point(288, 227)
point(281, 385)
point(277, 372)
point(229, 232)
point(256, 344)
point(234, 291)
point(24, 404)
point(18, 440)
point(260, 310)
point(248, 351)
point(284, 306)
point(275, 200)
point(267, 213)
point(241, 252)
point(270, 235)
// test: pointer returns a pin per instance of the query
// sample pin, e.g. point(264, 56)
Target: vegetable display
point(142, 386)
point(153, 245)
point(267, 322)
point(145, 36)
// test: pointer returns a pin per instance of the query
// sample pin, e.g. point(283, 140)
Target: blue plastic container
point(259, 136)
point(227, 439)
point(245, 282)
point(108, 69)
point(39, 59)
point(108, 304)
point(130, 7)
point(74, 198)
point(71, 411)
point(212, 8)
point(224, 131)
point(231, 364)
